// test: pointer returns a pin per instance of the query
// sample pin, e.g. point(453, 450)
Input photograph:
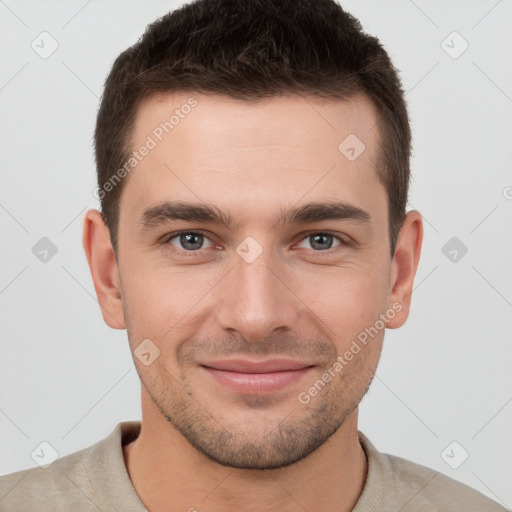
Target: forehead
point(238, 154)
point(296, 120)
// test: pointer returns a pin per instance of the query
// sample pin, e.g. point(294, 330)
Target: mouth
point(256, 377)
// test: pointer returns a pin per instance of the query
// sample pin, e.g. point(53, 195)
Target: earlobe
point(104, 269)
point(404, 266)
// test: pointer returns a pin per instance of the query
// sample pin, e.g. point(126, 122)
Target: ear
point(403, 268)
point(104, 270)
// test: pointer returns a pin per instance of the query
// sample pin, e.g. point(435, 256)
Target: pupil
point(188, 239)
point(317, 237)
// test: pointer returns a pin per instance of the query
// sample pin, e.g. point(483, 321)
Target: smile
point(256, 377)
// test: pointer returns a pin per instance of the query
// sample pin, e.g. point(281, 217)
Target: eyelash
point(175, 250)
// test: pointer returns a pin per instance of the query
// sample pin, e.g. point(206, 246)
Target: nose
point(255, 298)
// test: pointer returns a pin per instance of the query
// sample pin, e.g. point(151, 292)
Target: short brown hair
point(249, 50)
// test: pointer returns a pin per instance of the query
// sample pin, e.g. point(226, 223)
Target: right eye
point(187, 241)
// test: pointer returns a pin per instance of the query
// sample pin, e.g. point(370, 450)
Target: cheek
point(159, 296)
point(342, 299)
point(346, 299)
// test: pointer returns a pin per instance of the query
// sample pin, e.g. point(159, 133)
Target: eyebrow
point(211, 214)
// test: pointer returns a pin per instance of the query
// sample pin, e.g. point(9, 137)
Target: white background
point(68, 379)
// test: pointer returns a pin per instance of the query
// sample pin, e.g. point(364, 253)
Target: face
point(250, 303)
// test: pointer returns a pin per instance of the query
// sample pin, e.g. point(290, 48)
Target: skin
point(203, 446)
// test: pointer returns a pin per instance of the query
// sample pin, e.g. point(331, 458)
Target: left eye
point(322, 241)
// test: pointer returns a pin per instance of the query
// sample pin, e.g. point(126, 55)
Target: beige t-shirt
point(95, 479)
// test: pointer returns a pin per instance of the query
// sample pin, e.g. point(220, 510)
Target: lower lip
point(257, 383)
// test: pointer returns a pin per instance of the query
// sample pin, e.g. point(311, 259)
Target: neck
point(166, 469)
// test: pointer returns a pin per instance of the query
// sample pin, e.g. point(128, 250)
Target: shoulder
point(92, 479)
point(400, 484)
point(40, 488)
point(437, 490)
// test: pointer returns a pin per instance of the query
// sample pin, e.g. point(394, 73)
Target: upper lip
point(246, 366)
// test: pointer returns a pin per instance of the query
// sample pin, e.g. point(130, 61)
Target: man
point(253, 170)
